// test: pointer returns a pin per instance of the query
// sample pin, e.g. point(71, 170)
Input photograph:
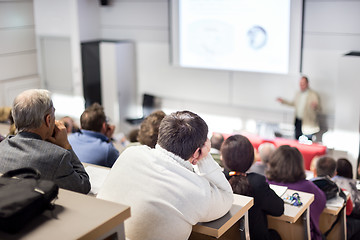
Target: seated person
point(238, 155)
point(93, 143)
point(326, 167)
point(216, 140)
point(42, 143)
point(160, 185)
point(149, 129)
point(286, 168)
point(265, 151)
point(344, 179)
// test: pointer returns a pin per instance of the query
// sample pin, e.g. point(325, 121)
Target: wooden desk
point(329, 216)
point(77, 216)
point(295, 222)
point(227, 227)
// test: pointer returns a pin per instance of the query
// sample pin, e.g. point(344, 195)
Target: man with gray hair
point(265, 150)
point(42, 143)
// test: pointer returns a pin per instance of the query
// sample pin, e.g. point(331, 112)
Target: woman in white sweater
point(160, 185)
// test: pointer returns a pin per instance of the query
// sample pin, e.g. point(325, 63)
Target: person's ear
point(195, 157)
point(104, 128)
point(47, 120)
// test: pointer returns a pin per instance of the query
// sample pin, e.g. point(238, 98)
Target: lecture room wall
point(332, 28)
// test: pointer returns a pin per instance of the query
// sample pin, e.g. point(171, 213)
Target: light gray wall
point(331, 29)
point(18, 62)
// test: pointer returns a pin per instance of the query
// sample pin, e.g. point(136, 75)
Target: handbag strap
point(30, 173)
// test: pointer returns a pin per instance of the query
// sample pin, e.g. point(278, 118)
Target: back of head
point(237, 153)
point(149, 129)
point(216, 140)
point(286, 164)
point(265, 151)
point(344, 168)
point(133, 135)
point(325, 166)
point(182, 133)
point(93, 118)
point(30, 107)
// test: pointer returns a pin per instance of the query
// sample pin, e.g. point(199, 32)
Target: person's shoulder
point(256, 179)
point(136, 149)
point(74, 135)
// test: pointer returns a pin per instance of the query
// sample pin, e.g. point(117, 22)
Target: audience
point(166, 196)
point(326, 167)
point(149, 129)
point(216, 140)
point(238, 155)
point(286, 168)
point(265, 150)
point(93, 142)
point(344, 179)
point(42, 143)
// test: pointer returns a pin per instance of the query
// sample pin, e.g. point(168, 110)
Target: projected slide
point(243, 35)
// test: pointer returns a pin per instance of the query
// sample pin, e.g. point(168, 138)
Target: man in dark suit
point(42, 143)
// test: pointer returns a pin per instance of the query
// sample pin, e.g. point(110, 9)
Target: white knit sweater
point(164, 193)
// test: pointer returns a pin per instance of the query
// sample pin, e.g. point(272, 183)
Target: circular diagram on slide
point(257, 37)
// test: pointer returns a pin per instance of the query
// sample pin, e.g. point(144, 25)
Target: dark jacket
point(266, 202)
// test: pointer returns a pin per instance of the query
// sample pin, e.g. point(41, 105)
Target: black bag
point(24, 197)
point(329, 187)
point(331, 190)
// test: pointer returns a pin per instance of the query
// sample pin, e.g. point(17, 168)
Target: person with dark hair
point(326, 168)
point(42, 143)
point(344, 179)
point(216, 140)
point(286, 168)
point(149, 129)
point(167, 195)
point(93, 142)
point(238, 155)
point(307, 107)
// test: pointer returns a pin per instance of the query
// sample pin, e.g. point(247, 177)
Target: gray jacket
point(54, 163)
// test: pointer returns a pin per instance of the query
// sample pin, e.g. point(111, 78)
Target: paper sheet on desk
point(335, 202)
point(97, 177)
point(279, 190)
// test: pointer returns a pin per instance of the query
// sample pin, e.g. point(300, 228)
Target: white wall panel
point(261, 90)
point(332, 16)
point(344, 42)
point(17, 40)
point(138, 35)
point(145, 14)
point(156, 76)
point(10, 89)
point(18, 65)
point(16, 14)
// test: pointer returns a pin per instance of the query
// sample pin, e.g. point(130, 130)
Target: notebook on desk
point(279, 190)
point(97, 177)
